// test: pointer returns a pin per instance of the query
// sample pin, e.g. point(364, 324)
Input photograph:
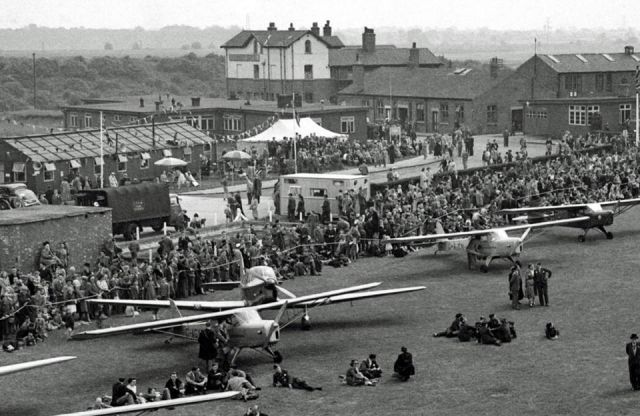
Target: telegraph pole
point(34, 80)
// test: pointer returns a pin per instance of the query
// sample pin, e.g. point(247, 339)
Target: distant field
point(90, 53)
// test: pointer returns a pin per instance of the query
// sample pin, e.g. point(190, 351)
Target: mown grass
point(594, 296)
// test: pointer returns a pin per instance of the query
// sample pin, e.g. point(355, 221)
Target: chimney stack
point(414, 56)
point(326, 30)
point(315, 29)
point(291, 28)
point(368, 40)
point(494, 65)
point(628, 50)
point(195, 101)
point(141, 102)
point(272, 26)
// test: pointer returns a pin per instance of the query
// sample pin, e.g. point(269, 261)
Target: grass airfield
point(594, 293)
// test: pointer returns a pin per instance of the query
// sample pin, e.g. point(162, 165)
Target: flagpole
point(101, 155)
point(295, 153)
point(637, 118)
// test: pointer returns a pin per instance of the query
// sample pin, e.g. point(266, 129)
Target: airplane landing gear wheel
point(277, 357)
point(609, 235)
point(305, 322)
point(484, 268)
point(581, 239)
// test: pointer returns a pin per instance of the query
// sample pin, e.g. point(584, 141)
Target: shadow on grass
point(11, 410)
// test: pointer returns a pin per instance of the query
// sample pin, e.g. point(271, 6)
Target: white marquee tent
point(288, 128)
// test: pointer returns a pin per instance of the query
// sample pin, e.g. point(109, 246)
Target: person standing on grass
point(530, 288)
point(633, 353)
point(541, 277)
point(515, 287)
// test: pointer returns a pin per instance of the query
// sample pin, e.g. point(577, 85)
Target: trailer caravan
point(314, 186)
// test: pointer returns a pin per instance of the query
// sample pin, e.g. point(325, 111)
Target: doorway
point(434, 121)
point(516, 120)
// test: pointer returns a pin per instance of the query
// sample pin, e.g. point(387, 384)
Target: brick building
point(433, 99)
point(549, 94)
point(214, 116)
point(22, 232)
point(260, 64)
point(42, 161)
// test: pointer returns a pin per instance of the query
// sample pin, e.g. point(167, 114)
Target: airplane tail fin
point(439, 229)
point(173, 311)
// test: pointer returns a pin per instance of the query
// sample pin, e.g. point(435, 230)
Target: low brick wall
point(23, 230)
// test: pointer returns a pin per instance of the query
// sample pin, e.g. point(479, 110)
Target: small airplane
point(484, 246)
point(247, 329)
point(598, 214)
point(14, 368)
point(154, 406)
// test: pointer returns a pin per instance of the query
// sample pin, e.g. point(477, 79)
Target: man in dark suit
point(633, 352)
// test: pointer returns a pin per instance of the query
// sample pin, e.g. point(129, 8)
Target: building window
point(98, 162)
point(380, 108)
point(122, 163)
point(600, 82)
point(460, 113)
point(308, 72)
point(609, 82)
point(187, 154)
point(144, 160)
point(420, 112)
point(256, 72)
point(207, 124)
point(307, 46)
point(49, 170)
point(87, 120)
point(492, 114)
point(116, 117)
point(444, 112)
point(577, 115)
point(625, 113)
point(18, 172)
point(318, 192)
point(132, 119)
point(73, 120)
point(232, 123)
point(308, 97)
point(573, 83)
point(347, 125)
point(591, 110)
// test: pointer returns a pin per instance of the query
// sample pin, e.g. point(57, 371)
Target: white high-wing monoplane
point(247, 328)
point(14, 368)
point(596, 215)
point(484, 246)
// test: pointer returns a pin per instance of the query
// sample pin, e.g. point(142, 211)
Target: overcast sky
point(463, 14)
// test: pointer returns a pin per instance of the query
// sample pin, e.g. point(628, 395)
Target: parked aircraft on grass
point(247, 329)
point(14, 368)
point(154, 406)
point(483, 246)
point(598, 214)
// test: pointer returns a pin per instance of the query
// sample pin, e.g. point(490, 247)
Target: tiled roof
point(380, 57)
point(424, 83)
point(86, 143)
point(277, 38)
point(592, 62)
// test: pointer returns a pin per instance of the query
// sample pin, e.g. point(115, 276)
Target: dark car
point(18, 195)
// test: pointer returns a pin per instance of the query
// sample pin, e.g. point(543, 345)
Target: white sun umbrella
point(170, 162)
point(236, 155)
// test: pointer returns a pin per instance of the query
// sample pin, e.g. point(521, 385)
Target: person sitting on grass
point(485, 336)
point(370, 368)
point(403, 366)
point(282, 378)
point(355, 378)
point(173, 389)
point(242, 385)
point(216, 378)
point(551, 332)
point(196, 382)
point(452, 330)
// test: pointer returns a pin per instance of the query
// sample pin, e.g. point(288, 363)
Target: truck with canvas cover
point(133, 206)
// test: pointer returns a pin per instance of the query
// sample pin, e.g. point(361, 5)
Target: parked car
point(18, 195)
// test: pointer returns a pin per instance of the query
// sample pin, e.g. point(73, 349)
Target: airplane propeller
point(274, 325)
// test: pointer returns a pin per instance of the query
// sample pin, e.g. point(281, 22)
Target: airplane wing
point(525, 210)
point(331, 296)
point(14, 368)
point(472, 233)
point(621, 202)
point(152, 406)
point(181, 304)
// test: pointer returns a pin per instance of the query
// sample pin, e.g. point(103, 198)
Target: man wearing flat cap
point(633, 352)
